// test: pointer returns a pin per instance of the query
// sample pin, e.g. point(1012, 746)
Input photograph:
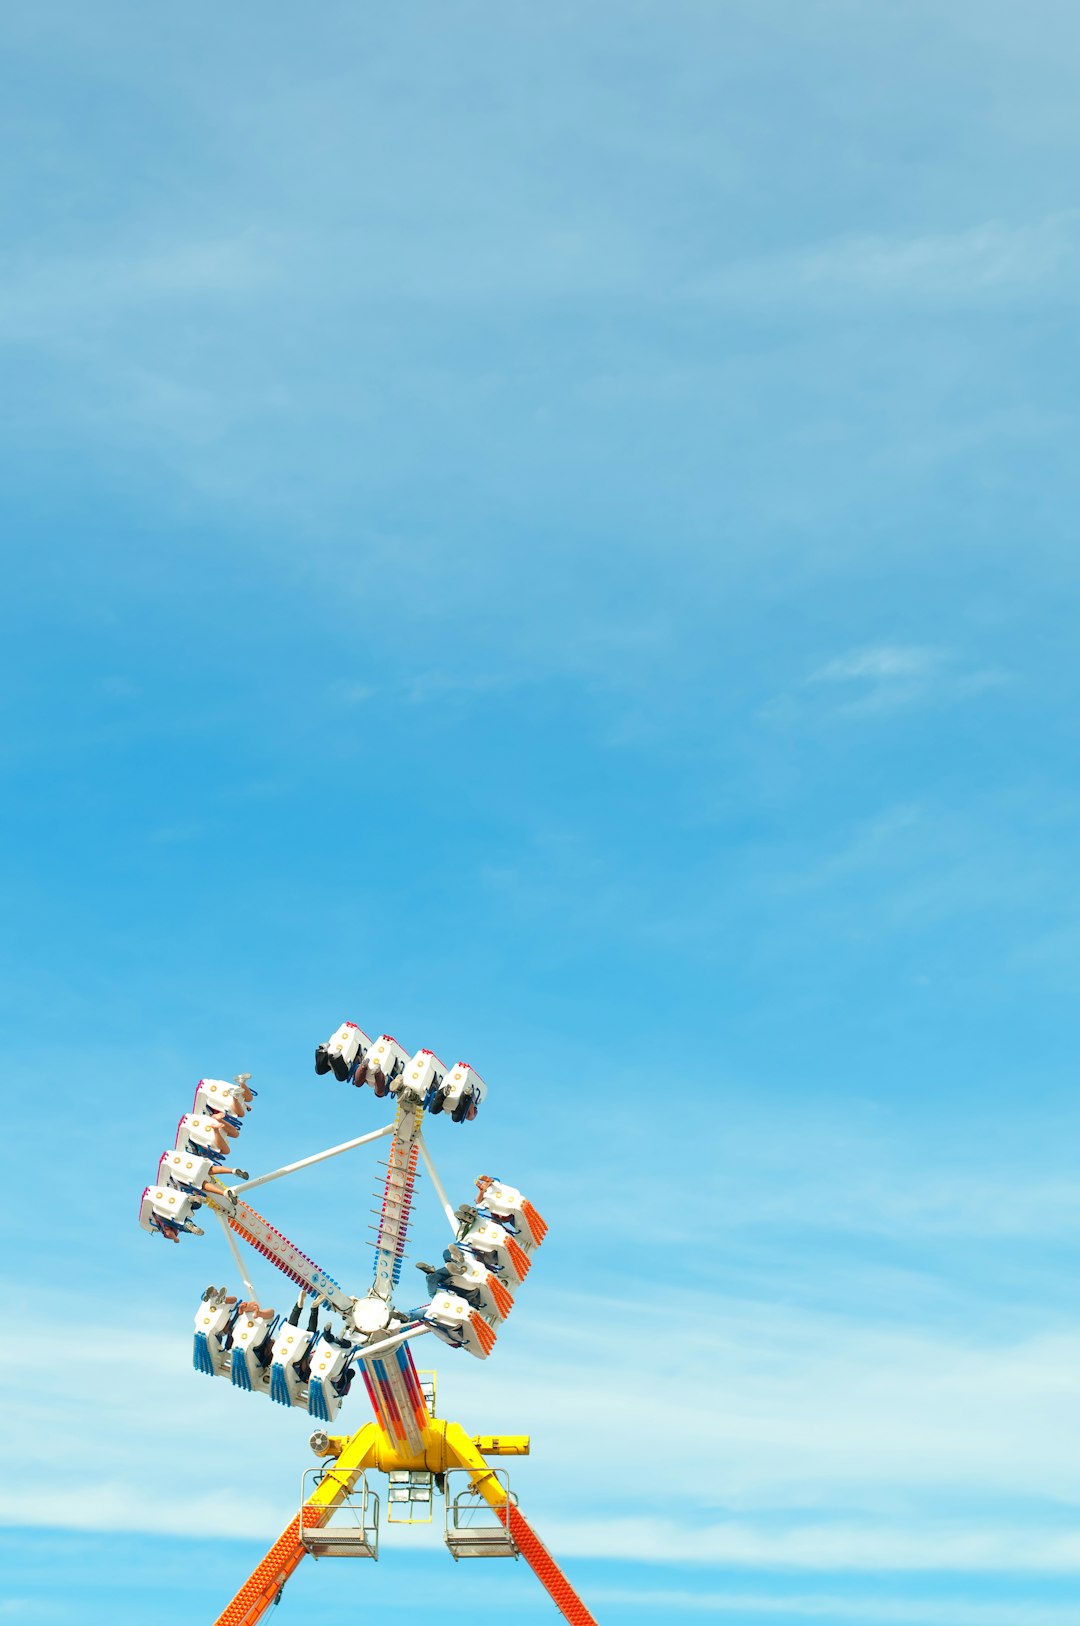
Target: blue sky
point(551, 532)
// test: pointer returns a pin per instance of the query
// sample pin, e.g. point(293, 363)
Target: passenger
point(445, 1279)
point(223, 1300)
point(230, 1101)
point(230, 1331)
point(217, 1296)
point(485, 1210)
point(343, 1382)
point(435, 1279)
point(466, 1107)
point(212, 1186)
point(449, 1335)
point(342, 1053)
point(252, 1309)
point(507, 1221)
point(303, 1365)
point(170, 1229)
point(454, 1336)
point(224, 1123)
point(203, 1134)
point(338, 1340)
point(241, 1082)
point(264, 1349)
point(255, 1312)
point(198, 1176)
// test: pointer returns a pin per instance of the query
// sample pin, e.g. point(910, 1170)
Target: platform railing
point(350, 1529)
point(473, 1528)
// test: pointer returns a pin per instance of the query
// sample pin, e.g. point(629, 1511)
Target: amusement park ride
point(298, 1360)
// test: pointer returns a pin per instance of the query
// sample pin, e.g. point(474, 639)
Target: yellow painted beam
point(462, 1452)
point(528, 1543)
point(262, 1587)
point(434, 1456)
point(356, 1454)
point(502, 1445)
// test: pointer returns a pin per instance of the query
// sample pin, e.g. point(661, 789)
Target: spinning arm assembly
point(310, 1357)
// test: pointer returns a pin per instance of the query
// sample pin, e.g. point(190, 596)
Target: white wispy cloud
point(884, 678)
point(880, 678)
point(987, 259)
point(822, 1174)
point(66, 297)
point(995, 1547)
point(807, 1417)
point(352, 692)
point(881, 663)
point(924, 1611)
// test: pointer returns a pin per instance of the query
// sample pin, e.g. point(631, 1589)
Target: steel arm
point(235, 1251)
point(440, 1189)
point(463, 1450)
point(260, 1591)
point(317, 1157)
point(288, 1258)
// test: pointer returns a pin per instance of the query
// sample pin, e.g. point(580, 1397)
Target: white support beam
point(440, 1189)
point(235, 1253)
point(414, 1330)
point(318, 1157)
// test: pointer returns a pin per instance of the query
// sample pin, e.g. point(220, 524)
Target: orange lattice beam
point(262, 1586)
point(535, 1554)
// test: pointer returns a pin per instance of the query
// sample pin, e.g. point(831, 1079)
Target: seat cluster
point(354, 1058)
point(306, 1366)
point(188, 1172)
point(472, 1291)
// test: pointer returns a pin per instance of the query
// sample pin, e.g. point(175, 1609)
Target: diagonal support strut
point(262, 1587)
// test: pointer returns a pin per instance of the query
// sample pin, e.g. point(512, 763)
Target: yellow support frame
point(263, 1586)
point(444, 1446)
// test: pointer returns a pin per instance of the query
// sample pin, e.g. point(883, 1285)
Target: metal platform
point(351, 1529)
point(474, 1529)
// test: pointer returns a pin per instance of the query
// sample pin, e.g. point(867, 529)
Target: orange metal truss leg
point(547, 1572)
point(264, 1583)
point(536, 1555)
point(260, 1590)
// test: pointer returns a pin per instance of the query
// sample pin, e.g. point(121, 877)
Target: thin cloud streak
point(943, 1611)
point(881, 663)
point(879, 679)
point(895, 1546)
point(987, 261)
point(809, 1415)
